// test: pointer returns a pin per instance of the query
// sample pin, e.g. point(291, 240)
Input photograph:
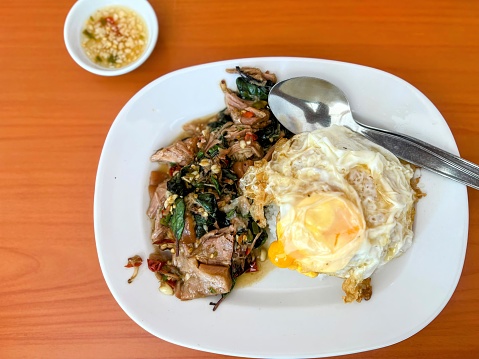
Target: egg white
point(337, 160)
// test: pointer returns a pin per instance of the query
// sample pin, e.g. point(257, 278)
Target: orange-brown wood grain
point(54, 117)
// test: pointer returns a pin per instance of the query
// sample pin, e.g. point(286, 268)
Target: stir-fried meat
point(210, 140)
point(159, 263)
point(216, 247)
point(190, 202)
point(200, 280)
point(160, 232)
point(232, 100)
point(157, 200)
point(180, 152)
point(261, 77)
point(160, 257)
point(194, 129)
point(242, 111)
point(236, 131)
point(200, 215)
point(241, 151)
point(255, 118)
point(239, 223)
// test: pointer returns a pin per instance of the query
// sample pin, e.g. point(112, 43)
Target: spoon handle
point(425, 155)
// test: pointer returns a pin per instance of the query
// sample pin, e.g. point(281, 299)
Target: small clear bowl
point(78, 16)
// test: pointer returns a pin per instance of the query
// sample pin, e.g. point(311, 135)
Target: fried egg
point(346, 205)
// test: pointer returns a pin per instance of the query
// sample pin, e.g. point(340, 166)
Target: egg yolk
point(317, 234)
point(278, 257)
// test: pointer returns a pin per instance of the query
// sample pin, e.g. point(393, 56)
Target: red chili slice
point(154, 265)
point(174, 169)
point(250, 137)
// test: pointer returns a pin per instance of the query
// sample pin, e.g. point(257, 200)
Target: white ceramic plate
point(284, 314)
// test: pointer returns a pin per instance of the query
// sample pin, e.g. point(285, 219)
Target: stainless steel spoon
point(308, 103)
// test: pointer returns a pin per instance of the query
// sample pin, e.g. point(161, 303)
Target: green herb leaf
point(215, 183)
point(260, 104)
point(88, 34)
point(112, 59)
point(201, 223)
point(177, 220)
point(229, 174)
point(270, 134)
point(208, 202)
point(261, 240)
point(249, 236)
point(214, 151)
point(231, 214)
point(249, 91)
point(255, 228)
point(176, 184)
point(165, 221)
point(198, 185)
point(222, 119)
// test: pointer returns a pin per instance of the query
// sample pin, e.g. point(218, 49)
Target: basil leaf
point(231, 214)
point(249, 236)
point(261, 240)
point(214, 151)
point(200, 222)
point(269, 134)
point(249, 91)
point(165, 221)
point(216, 184)
point(208, 202)
point(177, 220)
point(176, 184)
point(255, 228)
point(112, 59)
point(229, 174)
point(221, 219)
point(222, 120)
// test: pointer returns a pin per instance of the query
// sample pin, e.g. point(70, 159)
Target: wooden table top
point(54, 117)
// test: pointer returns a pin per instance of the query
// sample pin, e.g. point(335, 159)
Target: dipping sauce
point(114, 37)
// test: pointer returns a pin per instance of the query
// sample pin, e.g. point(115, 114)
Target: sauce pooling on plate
point(114, 37)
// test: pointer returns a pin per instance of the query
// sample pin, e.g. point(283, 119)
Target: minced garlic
point(114, 37)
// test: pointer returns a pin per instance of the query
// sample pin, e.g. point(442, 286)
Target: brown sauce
point(248, 279)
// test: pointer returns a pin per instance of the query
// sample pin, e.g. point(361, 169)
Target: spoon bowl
point(304, 104)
